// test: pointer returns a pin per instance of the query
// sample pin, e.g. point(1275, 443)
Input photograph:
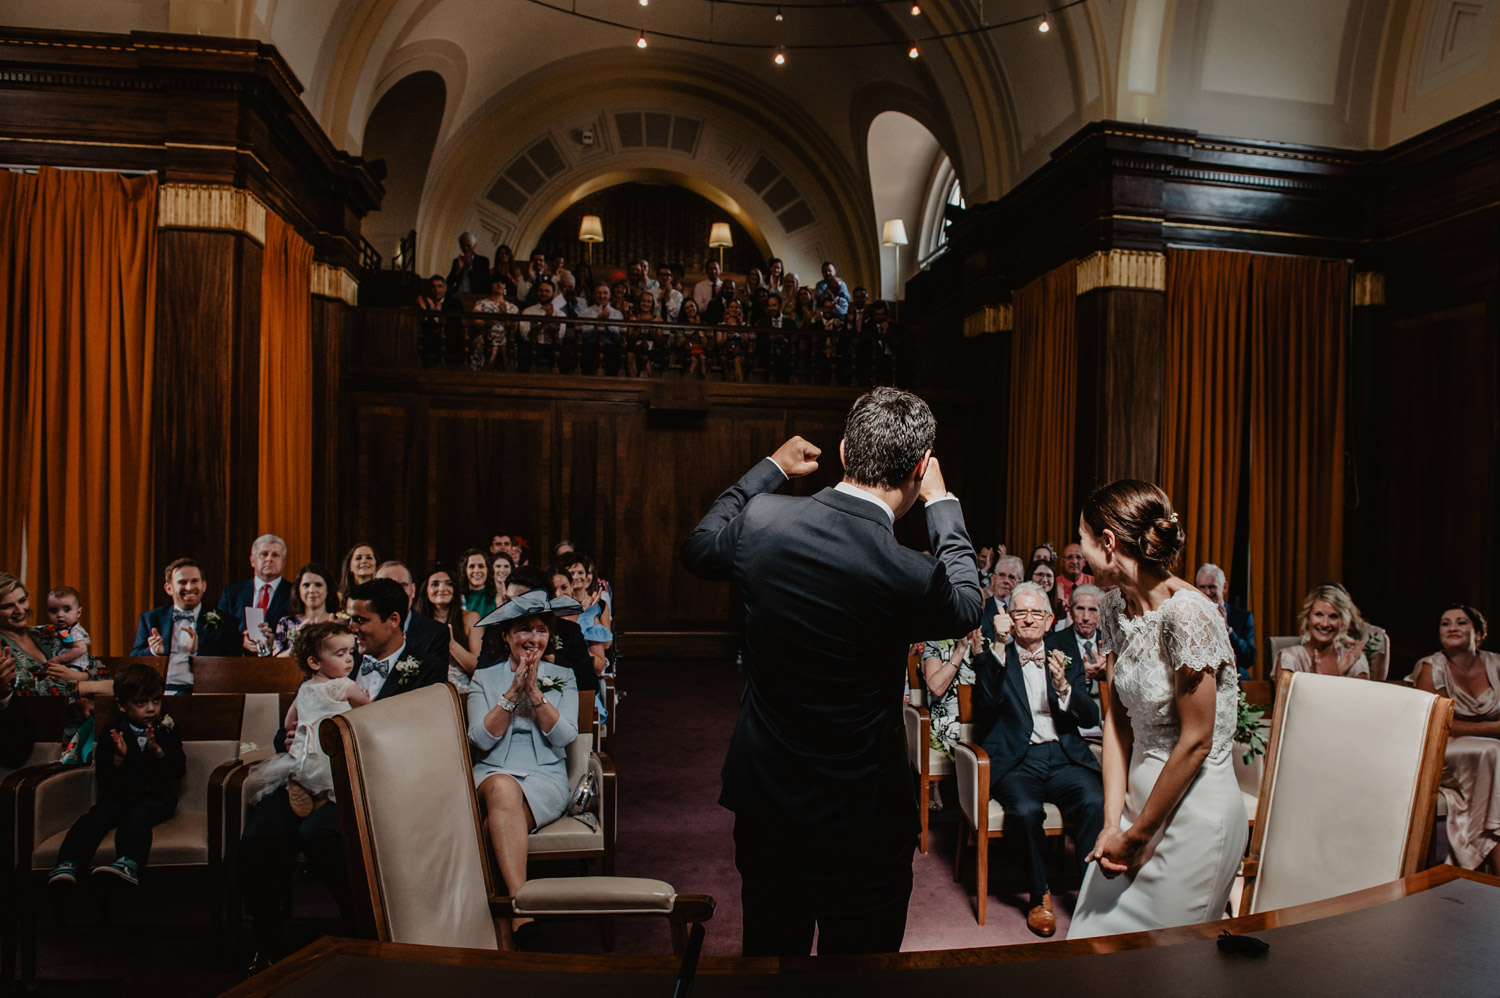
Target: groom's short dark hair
point(885, 435)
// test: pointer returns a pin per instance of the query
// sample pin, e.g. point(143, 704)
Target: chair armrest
point(49, 803)
point(971, 765)
point(604, 768)
point(217, 823)
point(1250, 867)
point(603, 896)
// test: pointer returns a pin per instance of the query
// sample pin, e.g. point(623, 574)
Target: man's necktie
point(263, 600)
point(373, 664)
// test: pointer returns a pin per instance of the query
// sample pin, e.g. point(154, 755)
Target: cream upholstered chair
point(1351, 774)
point(416, 850)
point(1268, 668)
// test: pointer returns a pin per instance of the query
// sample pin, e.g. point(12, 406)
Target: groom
point(825, 813)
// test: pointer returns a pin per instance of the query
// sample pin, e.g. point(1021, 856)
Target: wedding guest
point(947, 665)
point(1043, 574)
point(995, 622)
point(312, 588)
point(34, 677)
point(470, 272)
point(1326, 616)
point(594, 618)
point(266, 591)
point(357, 568)
point(65, 639)
point(1071, 571)
point(490, 349)
point(501, 567)
point(429, 640)
point(184, 628)
point(1040, 702)
point(479, 584)
point(1213, 583)
point(437, 600)
point(1373, 639)
point(707, 289)
point(833, 289)
point(1044, 552)
point(570, 649)
point(1470, 677)
point(985, 558)
point(522, 717)
point(1080, 639)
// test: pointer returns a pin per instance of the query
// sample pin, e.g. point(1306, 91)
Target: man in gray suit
point(825, 812)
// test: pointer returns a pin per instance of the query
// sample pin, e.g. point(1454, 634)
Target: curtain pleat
point(1044, 377)
point(81, 311)
point(1297, 356)
point(286, 390)
point(1203, 418)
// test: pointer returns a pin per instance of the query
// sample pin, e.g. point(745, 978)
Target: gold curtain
point(1043, 384)
point(286, 407)
point(80, 312)
point(1298, 330)
point(1203, 418)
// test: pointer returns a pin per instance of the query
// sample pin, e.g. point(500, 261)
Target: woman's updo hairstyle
point(1141, 517)
point(1476, 620)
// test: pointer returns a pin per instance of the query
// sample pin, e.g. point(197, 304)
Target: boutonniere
point(212, 619)
point(165, 723)
point(557, 643)
point(407, 670)
point(549, 684)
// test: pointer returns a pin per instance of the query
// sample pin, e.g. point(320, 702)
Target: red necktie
point(263, 601)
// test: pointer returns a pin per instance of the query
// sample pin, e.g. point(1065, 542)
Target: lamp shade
point(719, 235)
point(591, 230)
point(894, 233)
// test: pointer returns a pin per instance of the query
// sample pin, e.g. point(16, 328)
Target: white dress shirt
point(1037, 678)
point(179, 648)
point(372, 681)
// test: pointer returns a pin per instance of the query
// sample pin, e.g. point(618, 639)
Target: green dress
point(479, 601)
point(32, 681)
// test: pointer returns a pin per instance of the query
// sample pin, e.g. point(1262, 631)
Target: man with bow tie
point(184, 628)
point(1036, 701)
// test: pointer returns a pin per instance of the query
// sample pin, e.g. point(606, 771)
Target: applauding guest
point(1213, 583)
point(266, 591)
point(1327, 614)
point(1079, 641)
point(1072, 571)
point(312, 588)
point(479, 585)
point(33, 675)
point(184, 628)
point(437, 601)
point(995, 622)
point(358, 567)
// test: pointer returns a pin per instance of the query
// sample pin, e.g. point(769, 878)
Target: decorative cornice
point(1369, 288)
point(1122, 269)
point(989, 319)
point(211, 206)
point(329, 281)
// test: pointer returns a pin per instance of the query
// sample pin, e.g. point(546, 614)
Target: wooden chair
point(1351, 778)
point(405, 789)
point(931, 765)
point(212, 674)
point(1275, 646)
point(45, 801)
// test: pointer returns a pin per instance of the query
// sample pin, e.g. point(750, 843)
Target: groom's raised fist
point(797, 457)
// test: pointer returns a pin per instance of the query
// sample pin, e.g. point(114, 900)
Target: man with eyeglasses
point(995, 624)
point(1038, 699)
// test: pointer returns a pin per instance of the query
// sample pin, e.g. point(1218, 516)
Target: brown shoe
point(1039, 919)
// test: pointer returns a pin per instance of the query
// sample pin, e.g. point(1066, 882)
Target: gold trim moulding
point(329, 281)
point(1138, 269)
point(989, 319)
point(211, 206)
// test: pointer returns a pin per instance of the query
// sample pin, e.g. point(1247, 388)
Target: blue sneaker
point(65, 872)
point(124, 868)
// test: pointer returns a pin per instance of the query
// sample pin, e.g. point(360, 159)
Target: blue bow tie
point(178, 615)
point(373, 664)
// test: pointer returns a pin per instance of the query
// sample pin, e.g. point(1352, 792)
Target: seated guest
point(274, 831)
point(596, 340)
point(137, 772)
point(1044, 552)
point(64, 639)
point(1080, 639)
point(470, 272)
point(571, 650)
point(266, 590)
point(1039, 704)
point(1373, 639)
point(501, 565)
point(595, 618)
point(479, 586)
point(312, 589)
point(984, 557)
point(1471, 763)
point(17, 734)
point(489, 349)
point(357, 567)
point(1326, 616)
point(437, 600)
point(1044, 575)
point(833, 289)
point(668, 297)
point(995, 622)
point(184, 628)
point(1073, 571)
point(523, 714)
point(946, 665)
point(429, 640)
point(1213, 583)
point(33, 676)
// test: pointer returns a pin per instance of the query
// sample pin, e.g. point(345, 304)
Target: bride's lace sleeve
point(1194, 635)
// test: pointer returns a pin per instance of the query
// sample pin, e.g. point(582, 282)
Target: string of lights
point(1041, 20)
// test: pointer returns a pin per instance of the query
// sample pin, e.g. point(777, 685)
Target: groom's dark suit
point(816, 773)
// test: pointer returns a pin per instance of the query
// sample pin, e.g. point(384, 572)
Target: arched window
point(943, 189)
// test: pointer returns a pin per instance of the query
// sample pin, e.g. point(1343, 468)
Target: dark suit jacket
point(221, 640)
point(238, 595)
point(142, 774)
point(1242, 637)
point(832, 602)
point(1000, 692)
point(428, 640)
point(479, 274)
point(987, 618)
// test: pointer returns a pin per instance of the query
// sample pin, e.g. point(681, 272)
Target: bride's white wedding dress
point(1196, 854)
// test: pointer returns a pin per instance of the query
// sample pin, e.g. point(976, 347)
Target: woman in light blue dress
point(522, 717)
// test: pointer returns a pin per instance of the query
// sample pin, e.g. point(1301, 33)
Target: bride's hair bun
point(1141, 517)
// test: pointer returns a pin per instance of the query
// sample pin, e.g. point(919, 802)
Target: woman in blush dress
point(1174, 821)
point(1471, 762)
point(1327, 616)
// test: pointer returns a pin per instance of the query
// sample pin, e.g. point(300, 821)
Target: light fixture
point(645, 3)
point(718, 238)
point(893, 233)
point(779, 18)
point(912, 52)
point(780, 56)
point(1045, 26)
point(640, 42)
point(591, 231)
point(916, 10)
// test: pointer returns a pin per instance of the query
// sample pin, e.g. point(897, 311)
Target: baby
point(67, 643)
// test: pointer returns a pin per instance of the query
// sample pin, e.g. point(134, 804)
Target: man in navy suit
point(1003, 578)
point(183, 628)
point(1213, 583)
point(816, 773)
point(266, 589)
point(1036, 703)
point(1080, 639)
point(427, 638)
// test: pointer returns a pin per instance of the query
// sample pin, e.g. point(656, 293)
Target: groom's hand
point(933, 486)
point(797, 457)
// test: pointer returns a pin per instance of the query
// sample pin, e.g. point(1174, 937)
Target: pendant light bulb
point(780, 56)
point(640, 42)
point(916, 10)
point(1045, 26)
point(779, 18)
point(912, 53)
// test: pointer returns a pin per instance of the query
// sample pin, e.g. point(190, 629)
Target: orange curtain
point(1298, 330)
point(1203, 418)
point(286, 390)
point(80, 311)
point(1043, 382)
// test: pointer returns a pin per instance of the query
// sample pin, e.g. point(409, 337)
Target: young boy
point(67, 641)
point(139, 763)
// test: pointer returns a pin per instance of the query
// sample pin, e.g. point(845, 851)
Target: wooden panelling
point(1121, 361)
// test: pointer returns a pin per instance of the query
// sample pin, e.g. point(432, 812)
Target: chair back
point(209, 726)
point(215, 674)
point(1268, 668)
point(914, 681)
point(48, 715)
point(410, 820)
point(264, 714)
point(1351, 781)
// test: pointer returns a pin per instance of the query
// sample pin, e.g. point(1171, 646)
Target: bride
point(1174, 821)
